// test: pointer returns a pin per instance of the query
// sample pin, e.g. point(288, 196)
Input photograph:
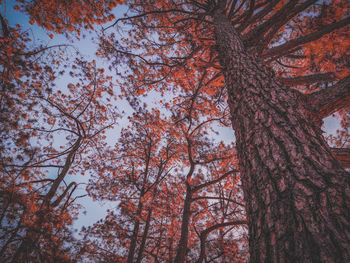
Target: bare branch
point(204, 234)
point(147, 14)
point(217, 198)
point(198, 187)
point(286, 47)
point(259, 31)
point(308, 79)
point(60, 198)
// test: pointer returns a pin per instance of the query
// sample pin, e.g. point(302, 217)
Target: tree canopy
point(179, 191)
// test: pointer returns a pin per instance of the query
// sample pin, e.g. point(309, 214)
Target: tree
point(37, 209)
point(154, 176)
point(208, 162)
point(132, 177)
point(297, 192)
point(37, 202)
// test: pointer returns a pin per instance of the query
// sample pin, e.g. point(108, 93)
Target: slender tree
point(37, 202)
point(132, 175)
point(207, 162)
point(161, 213)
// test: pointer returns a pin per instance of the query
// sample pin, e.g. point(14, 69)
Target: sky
point(97, 210)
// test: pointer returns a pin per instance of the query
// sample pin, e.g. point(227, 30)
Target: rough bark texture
point(297, 193)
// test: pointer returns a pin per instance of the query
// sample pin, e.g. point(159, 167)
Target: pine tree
point(274, 61)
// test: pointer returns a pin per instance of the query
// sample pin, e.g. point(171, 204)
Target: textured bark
point(297, 193)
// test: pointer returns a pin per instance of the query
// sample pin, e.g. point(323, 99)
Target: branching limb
point(217, 198)
point(261, 14)
point(205, 233)
point(60, 198)
point(198, 187)
point(331, 99)
point(342, 155)
point(156, 12)
point(283, 21)
point(308, 79)
point(258, 32)
point(284, 49)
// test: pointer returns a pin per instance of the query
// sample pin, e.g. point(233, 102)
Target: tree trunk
point(135, 232)
point(297, 193)
point(144, 236)
point(182, 246)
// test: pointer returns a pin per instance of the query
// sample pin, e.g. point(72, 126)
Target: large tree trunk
point(297, 193)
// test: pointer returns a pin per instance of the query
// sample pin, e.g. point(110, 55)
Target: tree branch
point(217, 198)
point(308, 79)
point(157, 12)
point(259, 31)
point(261, 14)
point(342, 155)
point(286, 47)
point(283, 21)
point(60, 198)
point(198, 187)
point(247, 15)
point(5, 29)
point(331, 99)
point(204, 234)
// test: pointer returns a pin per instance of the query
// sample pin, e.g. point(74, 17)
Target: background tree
point(36, 198)
point(131, 177)
point(207, 162)
point(186, 201)
point(37, 209)
point(297, 193)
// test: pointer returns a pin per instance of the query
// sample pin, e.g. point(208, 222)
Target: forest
point(197, 124)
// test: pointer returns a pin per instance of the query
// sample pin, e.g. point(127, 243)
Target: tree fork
point(297, 193)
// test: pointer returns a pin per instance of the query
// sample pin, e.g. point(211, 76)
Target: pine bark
point(297, 193)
